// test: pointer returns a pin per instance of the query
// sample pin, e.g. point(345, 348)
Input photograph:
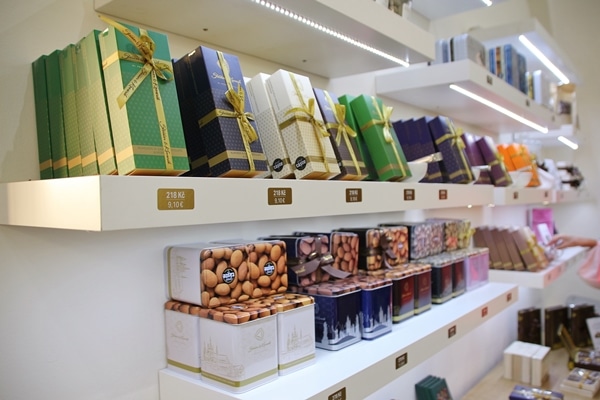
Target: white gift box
point(182, 336)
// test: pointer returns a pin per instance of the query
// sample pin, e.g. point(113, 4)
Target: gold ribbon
point(151, 67)
point(307, 112)
point(499, 161)
point(385, 113)
point(456, 141)
point(342, 129)
point(237, 100)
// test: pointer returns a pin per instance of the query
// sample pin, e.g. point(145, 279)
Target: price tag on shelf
point(354, 195)
point(279, 196)
point(443, 194)
point(409, 194)
point(339, 395)
point(484, 312)
point(451, 331)
point(175, 199)
point(401, 360)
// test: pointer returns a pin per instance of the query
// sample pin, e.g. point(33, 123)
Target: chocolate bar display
point(337, 312)
point(529, 325)
point(213, 275)
point(580, 358)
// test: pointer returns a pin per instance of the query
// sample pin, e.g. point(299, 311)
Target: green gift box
point(42, 117)
point(373, 118)
point(142, 101)
point(55, 114)
point(66, 61)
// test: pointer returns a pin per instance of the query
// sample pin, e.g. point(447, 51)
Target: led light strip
point(498, 108)
point(330, 32)
point(536, 52)
point(487, 2)
point(568, 142)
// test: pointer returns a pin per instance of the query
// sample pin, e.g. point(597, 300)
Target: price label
point(279, 196)
point(489, 80)
point(409, 194)
point(451, 331)
point(508, 297)
point(443, 194)
point(401, 360)
point(484, 312)
point(339, 395)
point(354, 195)
point(175, 199)
point(515, 195)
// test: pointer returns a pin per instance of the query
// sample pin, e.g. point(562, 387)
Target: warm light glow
point(568, 143)
point(536, 52)
point(500, 109)
point(487, 2)
point(330, 32)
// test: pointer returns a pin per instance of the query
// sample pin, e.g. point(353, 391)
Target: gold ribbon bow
point(343, 130)
point(307, 112)
point(151, 67)
point(237, 101)
point(384, 114)
point(456, 142)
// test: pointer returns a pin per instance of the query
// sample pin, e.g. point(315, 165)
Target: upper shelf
point(246, 27)
point(378, 361)
point(538, 36)
point(514, 196)
point(570, 258)
point(428, 87)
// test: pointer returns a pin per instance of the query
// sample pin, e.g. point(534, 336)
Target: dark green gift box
point(373, 118)
point(142, 100)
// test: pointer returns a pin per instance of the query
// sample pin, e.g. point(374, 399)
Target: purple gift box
point(489, 152)
point(415, 139)
point(447, 141)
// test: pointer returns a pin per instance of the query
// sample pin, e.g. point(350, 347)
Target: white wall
point(80, 312)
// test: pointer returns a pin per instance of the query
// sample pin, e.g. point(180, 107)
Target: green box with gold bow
point(373, 118)
point(220, 105)
point(142, 101)
point(344, 139)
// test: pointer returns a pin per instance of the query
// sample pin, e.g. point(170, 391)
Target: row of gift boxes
point(105, 105)
point(513, 248)
point(222, 346)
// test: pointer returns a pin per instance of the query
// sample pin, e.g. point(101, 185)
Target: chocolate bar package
point(511, 247)
point(483, 238)
point(521, 392)
point(337, 312)
point(447, 141)
point(343, 137)
point(554, 317)
point(491, 156)
point(582, 382)
point(143, 106)
point(529, 325)
point(526, 249)
point(500, 244)
point(224, 119)
point(416, 142)
point(578, 315)
point(578, 357)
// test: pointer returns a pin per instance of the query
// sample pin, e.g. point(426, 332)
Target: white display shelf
point(534, 31)
point(364, 367)
point(105, 203)
point(243, 26)
point(569, 258)
point(573, 195)
point(428, 87)
point(506, 196)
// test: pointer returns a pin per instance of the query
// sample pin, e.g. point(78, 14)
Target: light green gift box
point(142, 101)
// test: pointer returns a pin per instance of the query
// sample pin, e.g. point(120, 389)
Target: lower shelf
point(364, 367)
point(494, 387)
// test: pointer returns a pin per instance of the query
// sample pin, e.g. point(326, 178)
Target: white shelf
point(573, 195)
point(245, 27)
point(570, 258)
point(537, 34)
point(105, 203)
point(428, 87)
point(364, 367)
point(507, 196)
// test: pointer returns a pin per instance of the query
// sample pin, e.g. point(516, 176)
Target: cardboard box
point(182, 335)
point(239, 346)
point(225, 122)
point(373, 117)
point(337, 312)
point(343, 137)
point(270, 137)
point(212, 275)
point(144, 110)
point(105, 153)
point(42, 118)
point(301, 125)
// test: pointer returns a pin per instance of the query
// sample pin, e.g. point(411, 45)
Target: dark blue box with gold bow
point(221, 107)
point(416, 142)
point(448, 141)
point(343, 137)
point(142, 101)
point(373, 118)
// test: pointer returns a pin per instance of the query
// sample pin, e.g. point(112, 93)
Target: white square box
point(182, 336)
point(239, 346)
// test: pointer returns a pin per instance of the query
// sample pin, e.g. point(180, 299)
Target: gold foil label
point(279, 196)
point(175, 199)
point(339, 395)
point(354, 195)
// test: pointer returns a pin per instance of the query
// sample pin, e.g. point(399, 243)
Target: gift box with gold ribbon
point(373, 118)
point(415, 139)
point(456, 168)
point(301, 125)
point(476, 158)
point(142, 101)
point(494, 159)
point(225, 119)
point(343, 137)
